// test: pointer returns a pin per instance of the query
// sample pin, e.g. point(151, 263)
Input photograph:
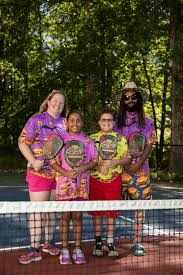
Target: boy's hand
point(80, 170)
point(103, 166)
point(108, 163)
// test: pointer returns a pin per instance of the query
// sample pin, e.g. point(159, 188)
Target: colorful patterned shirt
point(110, 146)
point(36, 132)
point(150, 136)
point(78, 149)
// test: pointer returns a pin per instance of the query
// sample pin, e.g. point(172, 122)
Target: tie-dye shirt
point(110, 146)
point(78, 149)
point(150, 136)
point(36, 132)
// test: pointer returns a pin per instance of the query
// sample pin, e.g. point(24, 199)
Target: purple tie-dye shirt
point(36, 132)
point(78, 149)
point(148, 131)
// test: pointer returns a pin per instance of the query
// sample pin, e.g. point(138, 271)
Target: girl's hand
point(71, 174)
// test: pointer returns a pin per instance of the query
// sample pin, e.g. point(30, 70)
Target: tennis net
point(156, 224)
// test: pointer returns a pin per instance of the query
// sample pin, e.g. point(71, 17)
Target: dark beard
point(132, 109)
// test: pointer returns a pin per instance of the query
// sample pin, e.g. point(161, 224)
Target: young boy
point(105, 181)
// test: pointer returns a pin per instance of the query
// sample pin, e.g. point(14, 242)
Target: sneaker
point(78, 256)
point(31, 256)
point(98, 249)
point(65, 257)
point(112, 251)
point(51, 249)
point(138, 250)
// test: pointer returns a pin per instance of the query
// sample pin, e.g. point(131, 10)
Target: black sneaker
point(112, 251)
point(138, 250)
point(98, 249)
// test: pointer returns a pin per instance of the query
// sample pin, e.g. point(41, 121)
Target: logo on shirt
point(108, 147)
point(136, 143)
point(74, 153)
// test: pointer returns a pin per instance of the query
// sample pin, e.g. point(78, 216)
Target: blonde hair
point(44, 104)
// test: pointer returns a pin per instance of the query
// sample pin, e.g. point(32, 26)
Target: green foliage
point(89, 48)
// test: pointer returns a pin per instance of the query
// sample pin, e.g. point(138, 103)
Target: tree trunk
point(163, 113)
point(176, 161)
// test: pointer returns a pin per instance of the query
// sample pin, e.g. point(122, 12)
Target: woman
point(140, 133)
point(40, 175)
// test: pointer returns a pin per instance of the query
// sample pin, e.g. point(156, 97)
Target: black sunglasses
point(132, 97)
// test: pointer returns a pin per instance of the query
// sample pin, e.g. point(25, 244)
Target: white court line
point(18, 186)
point(167, 187)
point(153, 229)
point(28, 246)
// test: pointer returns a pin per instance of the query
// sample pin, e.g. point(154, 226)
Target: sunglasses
point(132, 97)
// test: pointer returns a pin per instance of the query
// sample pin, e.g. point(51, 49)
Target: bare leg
point(110, 238)
point(77, 220)
point(36, 221)
point(65, 229)
point(49, 222)
point(139, 219)
point(110, 234)
point(97, 222)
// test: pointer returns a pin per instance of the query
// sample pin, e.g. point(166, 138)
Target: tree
point(177, 91)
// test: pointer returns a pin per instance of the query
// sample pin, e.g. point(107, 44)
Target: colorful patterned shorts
point(136, 188)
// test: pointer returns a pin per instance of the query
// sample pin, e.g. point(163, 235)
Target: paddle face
point(74, 153)
point(52, 147)
point(136, 143)
point(108, 147)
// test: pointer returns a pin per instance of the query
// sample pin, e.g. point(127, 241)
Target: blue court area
point(14, 229)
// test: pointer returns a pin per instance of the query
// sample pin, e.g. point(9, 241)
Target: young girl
point(75, 160)
point(40, 175)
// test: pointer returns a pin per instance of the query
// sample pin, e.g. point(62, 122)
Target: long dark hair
point(121, 117)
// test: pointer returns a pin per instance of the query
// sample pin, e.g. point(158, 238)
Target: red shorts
point(105, 191)
point(38, 184)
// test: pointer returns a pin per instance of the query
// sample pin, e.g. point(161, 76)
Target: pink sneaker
point(51, 249)
point(31, 256)
point(65, 257)
point(78, 256)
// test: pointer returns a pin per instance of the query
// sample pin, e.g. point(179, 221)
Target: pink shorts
point(38, 184)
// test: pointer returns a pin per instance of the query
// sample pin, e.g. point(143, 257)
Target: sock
point(110, 239)
point(98, 239)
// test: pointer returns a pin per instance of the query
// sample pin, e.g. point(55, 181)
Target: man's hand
point(133, 168)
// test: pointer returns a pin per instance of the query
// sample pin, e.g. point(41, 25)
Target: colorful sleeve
point(122, 147)
point(150, 132)
point(29, 131)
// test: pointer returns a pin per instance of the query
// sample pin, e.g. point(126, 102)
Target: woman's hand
point(37, 164)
